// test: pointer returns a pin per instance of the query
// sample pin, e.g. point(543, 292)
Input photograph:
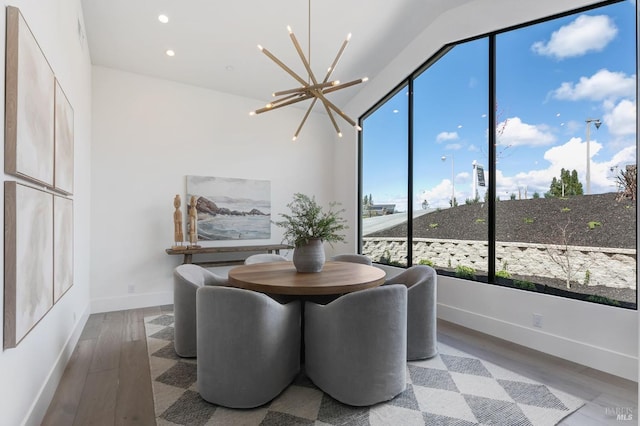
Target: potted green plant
point(307, 227)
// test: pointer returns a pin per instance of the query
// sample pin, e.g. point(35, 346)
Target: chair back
point(264, 258)
point(197, 276)
point(187, 279)
point(356, 346)
point(414, 275)
point(353, 257)
point(248, 346)
point(422, 284)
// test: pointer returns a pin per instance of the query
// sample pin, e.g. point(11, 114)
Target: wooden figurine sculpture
point(178, 236)
point(193, 222)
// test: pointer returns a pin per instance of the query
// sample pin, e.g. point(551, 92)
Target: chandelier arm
point(307, 88)
point(335, 61)
point(286, 98)
point(342, 86)
point(310, 89)
point(332, 118)
point(291, 102)
point(304, 119)
point(283, 66)
point(327, 102)
point(304, 60)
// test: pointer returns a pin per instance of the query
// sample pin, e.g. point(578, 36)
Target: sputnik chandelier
point(310, 88)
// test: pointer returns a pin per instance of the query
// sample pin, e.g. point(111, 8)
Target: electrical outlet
point(537, 320)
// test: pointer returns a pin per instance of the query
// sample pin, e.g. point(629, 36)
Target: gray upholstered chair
point(356, 346)
point(421, 281)
point(353, 257)
point(264, 258)
point(186, 280)
point(248, 346)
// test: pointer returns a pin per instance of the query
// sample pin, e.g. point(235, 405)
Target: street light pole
point(597, 122)
point(474, 180)
point(453, 188)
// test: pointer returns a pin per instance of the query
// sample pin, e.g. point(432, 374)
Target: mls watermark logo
point(624, 414)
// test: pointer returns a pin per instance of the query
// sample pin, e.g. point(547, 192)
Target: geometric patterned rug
point(452, 388)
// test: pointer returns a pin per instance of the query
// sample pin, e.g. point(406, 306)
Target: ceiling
point(216, 41)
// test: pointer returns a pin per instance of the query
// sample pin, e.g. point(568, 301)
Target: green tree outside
point(566, 186)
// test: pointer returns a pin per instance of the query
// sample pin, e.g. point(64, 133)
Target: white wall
point(31, 371)
point(148, 135)
point(601, 337)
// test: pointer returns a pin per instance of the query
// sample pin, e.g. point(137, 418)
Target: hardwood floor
point(107, 379)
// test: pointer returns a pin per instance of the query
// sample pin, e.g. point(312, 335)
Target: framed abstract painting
point(28, 259)
point(29, 105)
point(63, 143)
point(62, 246)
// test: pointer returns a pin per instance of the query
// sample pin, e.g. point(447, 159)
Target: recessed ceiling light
point(163, 18)
point(170, 53)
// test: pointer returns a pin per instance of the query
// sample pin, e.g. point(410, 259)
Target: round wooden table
point(282, 278)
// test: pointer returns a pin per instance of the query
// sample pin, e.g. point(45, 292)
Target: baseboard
point(41, 403)
point(599, 358)
point(131, 301)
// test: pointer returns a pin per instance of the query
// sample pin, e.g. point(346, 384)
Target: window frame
point(492, 136)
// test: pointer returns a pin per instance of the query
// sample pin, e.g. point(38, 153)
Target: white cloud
point(621, 119)
point(453, 147)
point(447, 136)
point(602, 85)
point(585, 34)
point(571, 155)
point(517, 133)
point(438, 196)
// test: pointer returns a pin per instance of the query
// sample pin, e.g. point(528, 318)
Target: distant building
point(380, 209)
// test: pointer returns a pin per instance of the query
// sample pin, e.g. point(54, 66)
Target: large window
point(449, 139)
point(511, 159)
point(385, 177)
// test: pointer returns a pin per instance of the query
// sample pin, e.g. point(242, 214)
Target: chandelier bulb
point(365, 79)
point(252, 113)
point(339, 134)
point(348, 36)
point(335, 83)
point(261, 48)
point(358, 128)
point(294, 138)
point(289, 29)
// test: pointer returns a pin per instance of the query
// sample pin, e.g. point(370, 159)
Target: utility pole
point(598, 123)
point(453, 188)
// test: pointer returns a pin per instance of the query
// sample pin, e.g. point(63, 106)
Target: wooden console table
point(189, 252)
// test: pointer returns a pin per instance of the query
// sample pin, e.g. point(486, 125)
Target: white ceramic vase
point(309, 257)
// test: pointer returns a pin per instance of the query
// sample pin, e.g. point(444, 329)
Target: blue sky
point(551, 77)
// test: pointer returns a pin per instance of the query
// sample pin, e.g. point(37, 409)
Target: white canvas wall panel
point(28, 259)
point(62, 246)
point(29, 104)
point(63, 154)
